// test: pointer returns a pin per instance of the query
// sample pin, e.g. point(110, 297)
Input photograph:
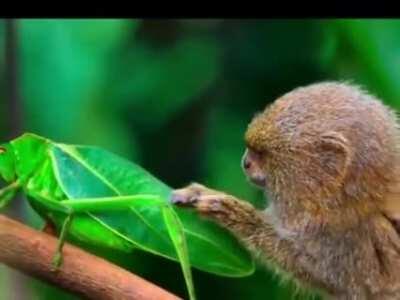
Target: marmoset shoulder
point(327, 156)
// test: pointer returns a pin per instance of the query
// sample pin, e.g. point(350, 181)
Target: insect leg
point(57, 259)
point(56, 206)
point(109, 203)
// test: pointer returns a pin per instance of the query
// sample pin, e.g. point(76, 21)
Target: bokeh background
point(175, 96)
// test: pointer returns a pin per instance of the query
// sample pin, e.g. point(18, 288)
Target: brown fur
point(328, 158)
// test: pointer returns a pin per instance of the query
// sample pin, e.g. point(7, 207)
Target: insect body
point(26, 165)
point(71, 191)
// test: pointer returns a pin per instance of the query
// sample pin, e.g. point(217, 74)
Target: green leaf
point(59, 171)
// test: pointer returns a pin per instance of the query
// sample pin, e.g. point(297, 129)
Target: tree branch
point(31, 252)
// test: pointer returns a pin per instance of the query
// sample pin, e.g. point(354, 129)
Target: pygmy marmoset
point(327, 156)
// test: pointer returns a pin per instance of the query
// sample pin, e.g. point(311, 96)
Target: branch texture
point(31, 252)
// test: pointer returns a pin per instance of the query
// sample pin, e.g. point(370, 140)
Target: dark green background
point(176, 96)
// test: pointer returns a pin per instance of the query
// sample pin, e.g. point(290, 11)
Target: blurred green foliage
point(175, 96)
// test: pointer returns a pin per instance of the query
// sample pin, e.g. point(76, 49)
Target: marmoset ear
point(334, 154)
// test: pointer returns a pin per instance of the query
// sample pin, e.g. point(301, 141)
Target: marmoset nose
point(246, 163)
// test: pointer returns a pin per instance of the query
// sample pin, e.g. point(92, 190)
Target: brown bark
point(31, 252)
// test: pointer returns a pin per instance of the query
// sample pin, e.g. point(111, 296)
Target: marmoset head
point(323, 146)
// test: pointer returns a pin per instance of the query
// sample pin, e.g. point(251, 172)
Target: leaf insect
point(24, 166)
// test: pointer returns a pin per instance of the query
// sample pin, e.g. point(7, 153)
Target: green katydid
point(97, 197)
